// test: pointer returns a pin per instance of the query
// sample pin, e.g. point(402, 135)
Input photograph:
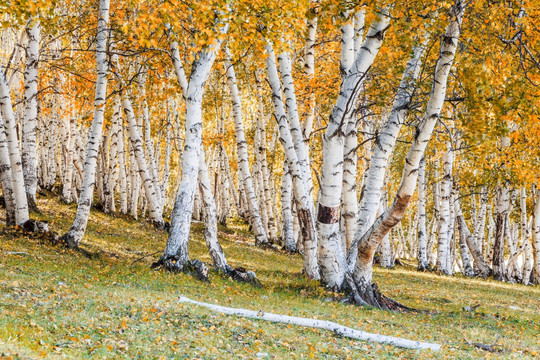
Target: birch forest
point(351, 138)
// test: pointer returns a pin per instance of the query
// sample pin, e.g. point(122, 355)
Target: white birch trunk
point(444, 265)
point(176, 253)
point(383, 149)
point(9, 123)
point(331, 252)
point(369, 242)
point(6, 179)
point(479, 261)
point(536, 236)
point(29, 123)
point(210, 219)
point(242, 153)
point(464, 235)
point(77, 230)
point(152, 167)
point(309, 69)
point(422, 233)
point(501, 224)
point(287, 231)
point(301, 196)
point(150, 190)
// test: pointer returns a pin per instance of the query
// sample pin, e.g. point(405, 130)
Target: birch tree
point(75, 234)
point(242, 153)
point(361, 279)
point(29, 122)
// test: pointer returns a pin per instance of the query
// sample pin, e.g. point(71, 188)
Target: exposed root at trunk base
point(371, 296)
point(38, 230)
point(193, 267)
point(242, 275)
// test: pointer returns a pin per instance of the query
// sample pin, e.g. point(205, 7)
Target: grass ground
point(56, 303)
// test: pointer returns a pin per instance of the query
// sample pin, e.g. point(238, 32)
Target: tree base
point(32, 206)
point(370, 295)
point(39, 230)
point(193, 267)
point(246, 276)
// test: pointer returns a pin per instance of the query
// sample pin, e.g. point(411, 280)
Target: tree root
point(372, 296)
point(193, 267)
point(242, 275)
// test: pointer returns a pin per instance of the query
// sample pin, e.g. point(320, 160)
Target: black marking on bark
point(328, 215)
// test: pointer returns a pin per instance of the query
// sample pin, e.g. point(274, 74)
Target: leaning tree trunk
point(303, 202)
point(19, 192)
point(479, 261)
point(361, 282)
point(75, 234)
point(383, 149)
point(210, 219)
point(150, 190)
point(30, 112)
point(243, 160)
point(465, 237)
point(176, 255)
point(6, 178)
point(331, 252)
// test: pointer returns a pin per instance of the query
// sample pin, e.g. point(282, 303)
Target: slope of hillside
point(56, 303)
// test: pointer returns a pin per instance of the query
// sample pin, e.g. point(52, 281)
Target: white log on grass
point(77, 230)
point(336, 328)
point(242, 153)
point(29, 123)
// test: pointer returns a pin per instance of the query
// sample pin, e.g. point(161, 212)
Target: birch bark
point(10, 126)
point(536, 236)
point(369, 242)
point(150, 190)
point(301, 196)
point(242, 153)
point(176, 253)
point(75, 234)
point(422, 244)
point(29, 123)
point(331, 251)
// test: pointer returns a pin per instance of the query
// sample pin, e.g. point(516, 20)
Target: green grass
point(56, 303)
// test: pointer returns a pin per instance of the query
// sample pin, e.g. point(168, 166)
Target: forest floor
point(57, 303)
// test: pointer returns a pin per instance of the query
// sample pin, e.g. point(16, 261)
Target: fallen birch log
point(320, 324)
